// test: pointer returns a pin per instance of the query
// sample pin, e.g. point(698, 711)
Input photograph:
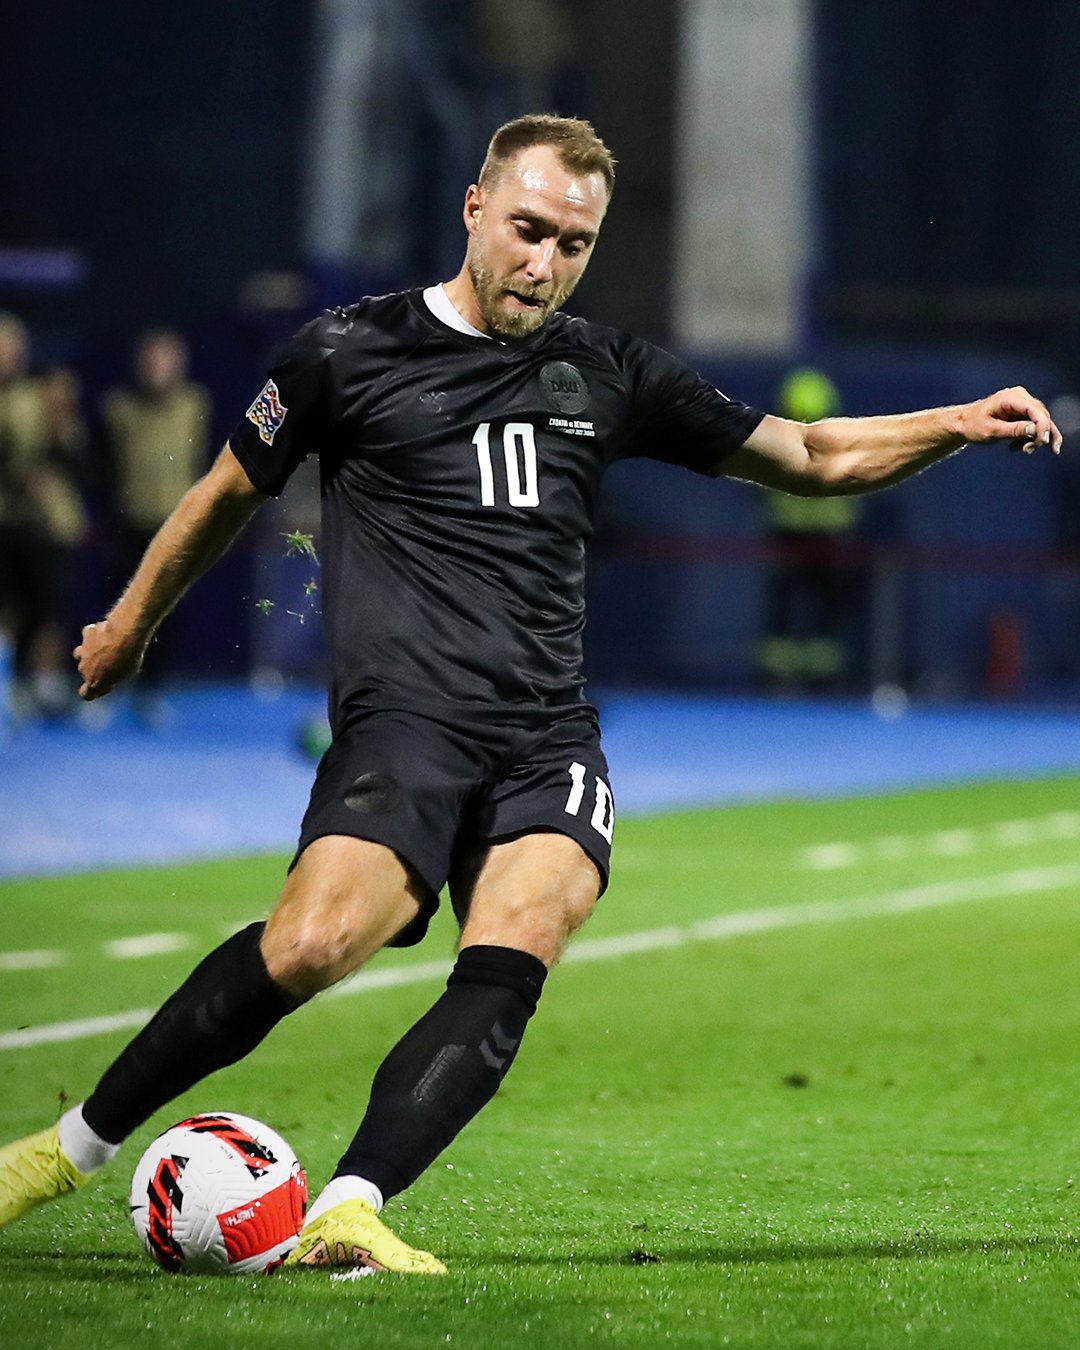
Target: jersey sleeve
point(288, 418)
point(678, 417)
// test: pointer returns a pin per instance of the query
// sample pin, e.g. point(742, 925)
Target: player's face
point(530, 239)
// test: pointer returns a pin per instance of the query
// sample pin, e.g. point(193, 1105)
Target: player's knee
point(343, 901)
point(307, 956)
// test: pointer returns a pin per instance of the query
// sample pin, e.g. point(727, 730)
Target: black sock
point(446, 1067)
point(222, 1011)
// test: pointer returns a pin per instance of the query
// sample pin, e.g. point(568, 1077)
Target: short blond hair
point(575, 142)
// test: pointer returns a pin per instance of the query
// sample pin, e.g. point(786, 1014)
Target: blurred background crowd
point(826, 206)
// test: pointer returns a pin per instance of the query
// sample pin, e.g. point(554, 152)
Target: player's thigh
point(399, 780)
point(343, 900)
point(531, 893)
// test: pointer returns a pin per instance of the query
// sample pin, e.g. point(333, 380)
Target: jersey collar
point(442, 307)
point(434, 304)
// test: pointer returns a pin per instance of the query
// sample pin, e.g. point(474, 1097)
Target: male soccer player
point(462, 432)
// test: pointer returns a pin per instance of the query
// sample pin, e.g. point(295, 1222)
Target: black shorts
point(435, 791)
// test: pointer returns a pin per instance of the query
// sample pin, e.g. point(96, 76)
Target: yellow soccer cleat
point(33, 1170)
point(352, 1234)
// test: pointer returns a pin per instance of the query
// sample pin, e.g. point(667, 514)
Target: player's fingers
point(1038, 425)
point(91, 689)
point(1016, 415)
point(1028, 434)
point(87, 630)
point(1024, 447)
point(1021, 435)
point(1043, 425)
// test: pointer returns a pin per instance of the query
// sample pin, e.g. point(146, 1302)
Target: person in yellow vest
point(811, 585)
point(43, 520)
point(158, 431)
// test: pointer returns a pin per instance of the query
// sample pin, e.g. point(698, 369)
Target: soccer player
point(462, 431)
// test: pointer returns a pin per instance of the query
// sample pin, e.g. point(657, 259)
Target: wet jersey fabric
point(459, 487)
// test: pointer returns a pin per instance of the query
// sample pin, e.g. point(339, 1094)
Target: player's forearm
point(202, 526)
point(859, 454)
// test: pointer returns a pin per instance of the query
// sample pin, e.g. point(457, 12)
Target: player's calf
point(221, 1012)
point(445, 1068)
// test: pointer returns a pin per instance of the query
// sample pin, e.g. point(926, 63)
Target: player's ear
point(474, 202)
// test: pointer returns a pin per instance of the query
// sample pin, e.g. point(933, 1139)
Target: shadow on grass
point(920, 1247)
point(114, 1268)
point(102, 1267)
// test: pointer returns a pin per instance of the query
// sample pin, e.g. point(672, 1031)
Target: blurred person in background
point(43, 520)
point(157, 429)
point(812, 589)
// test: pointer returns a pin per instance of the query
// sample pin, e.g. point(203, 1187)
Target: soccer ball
point(219, 1194)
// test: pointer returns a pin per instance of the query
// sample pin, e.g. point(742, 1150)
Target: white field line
point(1028, 881)
point(1052, 828)
point(119, 949)
point(147, 944)
point(32, 960)
point(368, 980)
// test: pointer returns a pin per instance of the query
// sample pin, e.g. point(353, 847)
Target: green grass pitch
point(847, 1119)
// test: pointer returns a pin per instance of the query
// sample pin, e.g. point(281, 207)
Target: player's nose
point(539, 266)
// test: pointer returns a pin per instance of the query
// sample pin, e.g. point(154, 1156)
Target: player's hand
point(106, 656)
point(1011, 415)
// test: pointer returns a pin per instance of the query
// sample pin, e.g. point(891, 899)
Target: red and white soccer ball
point(219, 1194)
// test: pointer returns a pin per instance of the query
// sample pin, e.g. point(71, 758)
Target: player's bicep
point(775, 455)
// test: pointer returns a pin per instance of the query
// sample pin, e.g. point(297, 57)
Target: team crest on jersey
point(268, 412)
point(564, 387)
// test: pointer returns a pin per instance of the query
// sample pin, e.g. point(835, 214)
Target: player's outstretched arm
point(205, 521)
point(843, 455)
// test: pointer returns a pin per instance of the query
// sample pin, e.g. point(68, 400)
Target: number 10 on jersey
point(519, 454)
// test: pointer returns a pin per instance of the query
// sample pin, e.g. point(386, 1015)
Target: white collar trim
point(442, 307)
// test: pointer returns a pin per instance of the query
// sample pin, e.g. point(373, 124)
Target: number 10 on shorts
point(603, 816)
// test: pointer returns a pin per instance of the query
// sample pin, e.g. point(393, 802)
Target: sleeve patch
point(268, 412)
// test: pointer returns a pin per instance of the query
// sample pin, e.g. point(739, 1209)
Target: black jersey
point(459, 486)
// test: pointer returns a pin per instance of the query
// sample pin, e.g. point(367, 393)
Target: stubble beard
point(505, 322)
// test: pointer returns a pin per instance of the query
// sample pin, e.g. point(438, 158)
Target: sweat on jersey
point(459, 488)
